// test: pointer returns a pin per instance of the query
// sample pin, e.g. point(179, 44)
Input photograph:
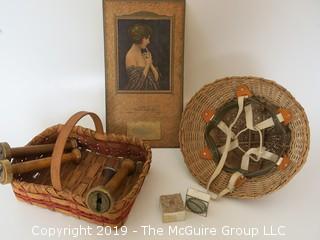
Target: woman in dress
point(142, 74)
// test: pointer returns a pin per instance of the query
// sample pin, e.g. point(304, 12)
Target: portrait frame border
point(164, 106)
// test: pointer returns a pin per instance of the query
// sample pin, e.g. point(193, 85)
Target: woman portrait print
point(143, 55)
point(141, 72)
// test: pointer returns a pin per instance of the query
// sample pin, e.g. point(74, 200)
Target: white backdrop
point(52, 65)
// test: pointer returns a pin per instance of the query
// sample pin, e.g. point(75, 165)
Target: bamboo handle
point(6, 152)
point(55, 171)
point(7, 170)
point(100, 199)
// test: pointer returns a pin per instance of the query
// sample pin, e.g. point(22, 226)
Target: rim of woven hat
point(214, 95)
point(119, 207)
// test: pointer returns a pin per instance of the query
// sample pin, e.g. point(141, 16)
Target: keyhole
point(98, 202)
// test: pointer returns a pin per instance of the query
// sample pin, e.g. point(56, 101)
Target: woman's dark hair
point(139, 31)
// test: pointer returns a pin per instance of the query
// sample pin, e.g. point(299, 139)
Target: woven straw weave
point(215, 95)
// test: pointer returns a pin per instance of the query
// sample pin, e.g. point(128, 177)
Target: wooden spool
point(7, 170)
point(101, 198)
point(6, 152)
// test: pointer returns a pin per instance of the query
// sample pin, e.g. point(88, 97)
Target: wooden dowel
point(127, 167)
point(6, 152)
point(110, 168)
point(43, 162)
point(7, 170)
point(131, 180)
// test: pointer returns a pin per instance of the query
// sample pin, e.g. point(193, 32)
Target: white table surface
point(293, 210)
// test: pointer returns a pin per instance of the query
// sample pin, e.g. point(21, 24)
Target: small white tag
point(198, 194)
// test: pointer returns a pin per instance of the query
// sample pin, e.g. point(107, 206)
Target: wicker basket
point(63, 189)
point(216, 95)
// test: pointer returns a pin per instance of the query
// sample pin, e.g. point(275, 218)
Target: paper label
point(144, 130)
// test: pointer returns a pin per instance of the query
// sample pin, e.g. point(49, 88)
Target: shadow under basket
point(41, 187)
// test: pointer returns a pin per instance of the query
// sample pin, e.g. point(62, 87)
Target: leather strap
point(62, 139)
point(236, 179)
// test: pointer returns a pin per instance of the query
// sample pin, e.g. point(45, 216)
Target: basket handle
point(62, 139)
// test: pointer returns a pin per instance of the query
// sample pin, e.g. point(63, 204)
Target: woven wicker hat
point(244, 137)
